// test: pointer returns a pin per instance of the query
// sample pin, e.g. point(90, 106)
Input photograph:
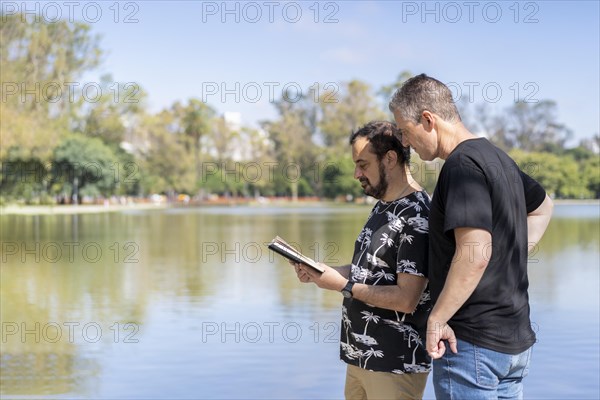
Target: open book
point(280, 246)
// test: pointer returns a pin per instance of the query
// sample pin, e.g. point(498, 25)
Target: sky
point(239, 56)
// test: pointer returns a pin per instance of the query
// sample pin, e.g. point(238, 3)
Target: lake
point(188, 303)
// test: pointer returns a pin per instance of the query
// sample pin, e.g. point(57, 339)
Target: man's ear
point(390, 159)
point(428, 120)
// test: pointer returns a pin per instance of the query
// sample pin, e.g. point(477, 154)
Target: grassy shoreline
point(75, 209)
point(87, 209)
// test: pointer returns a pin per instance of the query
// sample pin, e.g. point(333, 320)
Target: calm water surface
point(188, 303)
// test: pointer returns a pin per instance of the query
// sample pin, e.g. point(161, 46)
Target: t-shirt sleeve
point(534, 192)
point(467, 202)
point(413, 248)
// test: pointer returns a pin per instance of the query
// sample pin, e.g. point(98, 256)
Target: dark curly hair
point(383, 136)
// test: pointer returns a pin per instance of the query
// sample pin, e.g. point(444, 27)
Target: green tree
point(165, 162)
point(45, 54)
point(84, 167)
point(529, 127)
point(292, 137)
point(344, 112)
point(260, 155)
point(23, 178)
point(560, 176)
point(225, 179)
point(38, 59)
point(194, 120)
point(338, 177)
point(590, 171)
point(31, 135)
point(223, 140)
point(113, 115)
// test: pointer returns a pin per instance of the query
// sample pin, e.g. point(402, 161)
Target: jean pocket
point(488, 367)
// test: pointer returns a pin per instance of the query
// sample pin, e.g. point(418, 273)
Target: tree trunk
point(294, 191)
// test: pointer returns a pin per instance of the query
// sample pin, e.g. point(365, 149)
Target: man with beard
point(386, 299)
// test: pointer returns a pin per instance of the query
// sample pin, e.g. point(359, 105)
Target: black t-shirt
point(393, 241)
point(481, 187)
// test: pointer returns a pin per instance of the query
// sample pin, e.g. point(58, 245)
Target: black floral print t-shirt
point(394, 240)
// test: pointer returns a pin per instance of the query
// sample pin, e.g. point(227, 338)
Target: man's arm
point(537, 222)
point(403, 297)
point(344, 270)
point(467, 268)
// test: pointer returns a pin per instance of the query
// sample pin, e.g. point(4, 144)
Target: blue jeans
point(479, 373)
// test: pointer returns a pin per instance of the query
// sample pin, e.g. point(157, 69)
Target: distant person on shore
point(485, 215)
point(386, 300)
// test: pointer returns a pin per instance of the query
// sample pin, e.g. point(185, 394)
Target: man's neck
point(400, 185)
point(451, 135)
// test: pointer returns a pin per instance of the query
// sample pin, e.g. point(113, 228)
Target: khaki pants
point(362, 384)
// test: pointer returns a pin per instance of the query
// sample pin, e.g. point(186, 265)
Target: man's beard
point(379, 190)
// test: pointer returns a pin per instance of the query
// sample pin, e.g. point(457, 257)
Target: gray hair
point(424, 93)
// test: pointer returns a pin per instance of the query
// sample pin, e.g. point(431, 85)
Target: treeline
point(64, 139)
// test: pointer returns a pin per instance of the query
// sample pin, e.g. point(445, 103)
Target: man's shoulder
point(469, 149)
point(478, 150)
point(415, 203)
point(478, 156)
point(416, 214)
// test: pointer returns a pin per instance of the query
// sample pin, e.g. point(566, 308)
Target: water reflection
point(194, 285)
point(563, 272)
point(47, 373)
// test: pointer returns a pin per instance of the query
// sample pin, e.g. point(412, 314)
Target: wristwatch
point(347, 290)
